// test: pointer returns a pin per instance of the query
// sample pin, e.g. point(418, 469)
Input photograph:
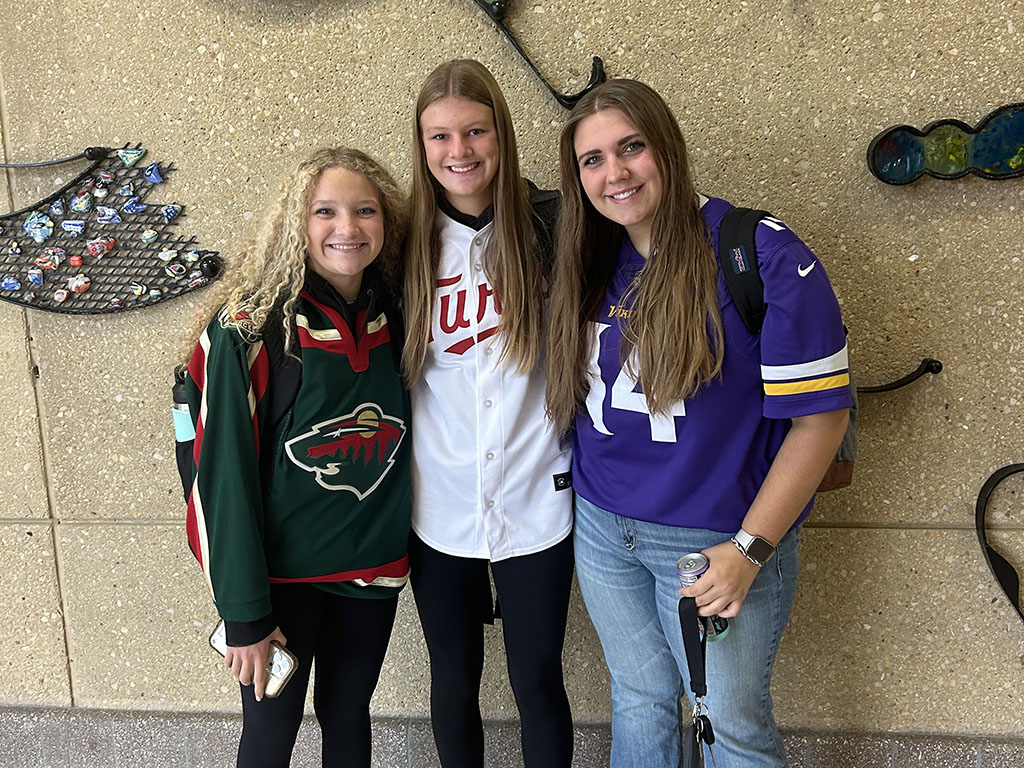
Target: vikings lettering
point(615, 310)
point(352, 452)
point(450, 322)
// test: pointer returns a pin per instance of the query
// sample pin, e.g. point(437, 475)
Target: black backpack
point(282, 386)
point(736, 238)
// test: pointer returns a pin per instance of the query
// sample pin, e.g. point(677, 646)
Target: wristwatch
point(757, 550)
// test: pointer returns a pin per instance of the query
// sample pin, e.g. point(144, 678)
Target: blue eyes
point(629, 149)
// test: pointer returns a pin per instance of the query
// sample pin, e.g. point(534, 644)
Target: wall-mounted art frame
point(950, 149)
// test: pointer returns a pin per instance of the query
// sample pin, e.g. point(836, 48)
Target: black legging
point(453, 597)
point(348, 636)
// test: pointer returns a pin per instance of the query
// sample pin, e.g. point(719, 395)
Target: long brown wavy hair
point(270, 272)
point(509, 258)
point(674, 328)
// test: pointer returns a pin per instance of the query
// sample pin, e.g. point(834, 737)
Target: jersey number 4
point(625, 397)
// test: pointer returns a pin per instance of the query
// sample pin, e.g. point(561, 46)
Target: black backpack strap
point(283, 381)
point(737, 256)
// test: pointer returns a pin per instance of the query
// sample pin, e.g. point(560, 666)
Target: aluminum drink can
point(690, 568)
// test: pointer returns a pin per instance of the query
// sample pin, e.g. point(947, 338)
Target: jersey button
point(490, 504)
point(478, 267)
point(490, 455)
point(488, 403)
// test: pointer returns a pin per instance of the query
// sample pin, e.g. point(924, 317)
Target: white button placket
point(490, 436)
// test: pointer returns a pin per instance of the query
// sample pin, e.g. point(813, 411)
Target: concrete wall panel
point(35, 663)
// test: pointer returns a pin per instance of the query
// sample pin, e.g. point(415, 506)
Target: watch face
point(760, 550)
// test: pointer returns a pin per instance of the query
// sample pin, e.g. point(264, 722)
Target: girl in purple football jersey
point(491, 488)
point(691, 434)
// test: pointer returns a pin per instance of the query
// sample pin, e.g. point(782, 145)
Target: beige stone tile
point(106, 398)
point(139, 617)
point(21, 471)
point(35, 668)
point(901, 630)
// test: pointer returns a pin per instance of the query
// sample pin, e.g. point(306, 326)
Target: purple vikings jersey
point(701, 464)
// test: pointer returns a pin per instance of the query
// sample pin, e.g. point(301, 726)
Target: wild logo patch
point(352, 452)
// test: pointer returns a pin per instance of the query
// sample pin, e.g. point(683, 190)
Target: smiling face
point(345, 226)
point(460, 144)
point(619, 173)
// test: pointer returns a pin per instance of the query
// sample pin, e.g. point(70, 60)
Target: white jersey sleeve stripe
point(840, 361)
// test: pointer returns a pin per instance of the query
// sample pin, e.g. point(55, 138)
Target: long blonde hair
point(270, 272)
point(674, 327)
point(509, 259)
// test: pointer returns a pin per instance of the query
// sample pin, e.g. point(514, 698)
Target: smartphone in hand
point(280, 666)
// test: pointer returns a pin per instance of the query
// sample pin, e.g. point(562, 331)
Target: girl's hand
point(248, 663)
point(722, 588)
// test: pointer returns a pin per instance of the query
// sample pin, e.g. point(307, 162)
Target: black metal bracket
point(496, 10)
point(928, 365)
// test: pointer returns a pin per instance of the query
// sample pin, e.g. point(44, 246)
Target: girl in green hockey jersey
point(299, 507)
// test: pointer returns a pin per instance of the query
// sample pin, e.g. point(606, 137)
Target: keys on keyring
point(705, 732)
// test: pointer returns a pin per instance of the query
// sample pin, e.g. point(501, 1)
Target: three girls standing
point(690, 433)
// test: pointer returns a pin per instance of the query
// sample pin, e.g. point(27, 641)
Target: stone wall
point(898, 626)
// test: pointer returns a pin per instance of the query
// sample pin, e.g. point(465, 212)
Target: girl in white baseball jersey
point(491, 483)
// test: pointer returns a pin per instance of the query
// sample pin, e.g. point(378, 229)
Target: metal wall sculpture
point(96, 245)
point(497, 10)
point(950, 149)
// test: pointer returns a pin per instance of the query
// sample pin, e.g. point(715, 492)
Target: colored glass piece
point(130, 156)
point(61, 295)
point(31, 297)
point(56, 208)
point(152, 173)
point(82, 202)
point(115, 304)
point(35, 276)
point(50, 258)
point(133, 205)
point(100, 190)
point(38, 226)
point(75, 260)
point(101, 246)
point(155, 293)
point(126, 190)
point(106, 177)
point(176, 270)
point(167, 255)
point(136, 288)
point(13, 248)
point(191, 256)
point(105, 215)
point(170, 212)
point(148, 235)
point(74, 227)
point(10, 284)
point(79, 283)
point(950, 149)
point(195, 279)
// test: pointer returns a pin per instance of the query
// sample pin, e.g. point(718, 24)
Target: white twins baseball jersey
point(490, 477)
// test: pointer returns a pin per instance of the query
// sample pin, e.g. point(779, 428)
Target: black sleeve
point(239, 633)
point(546, 204)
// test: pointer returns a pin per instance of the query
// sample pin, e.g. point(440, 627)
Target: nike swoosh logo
point(800, 270)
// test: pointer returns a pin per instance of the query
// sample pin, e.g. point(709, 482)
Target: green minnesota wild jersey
point(332, 504)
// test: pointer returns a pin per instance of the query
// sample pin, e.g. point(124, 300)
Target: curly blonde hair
point(270, 272)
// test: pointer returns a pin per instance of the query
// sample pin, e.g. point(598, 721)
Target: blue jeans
point(627, 574)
